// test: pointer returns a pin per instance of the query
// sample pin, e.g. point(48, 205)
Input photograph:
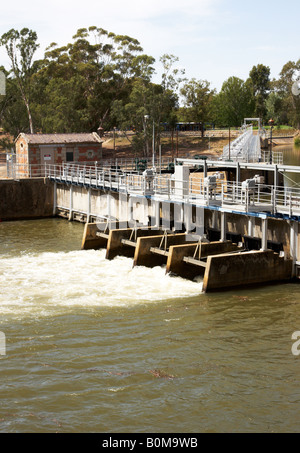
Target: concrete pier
point(183, 260)
point(153, 251)
point(95, 236)
point(243, 269)
point(123, 242)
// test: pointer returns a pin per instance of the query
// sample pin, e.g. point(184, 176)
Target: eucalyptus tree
point(234, 102)
point(197, 96)
point(21, 47)
point(290, 99)
point(260, 78)
point(149, 104)
point(13, 113)
point(88, 75)
point(275, 110)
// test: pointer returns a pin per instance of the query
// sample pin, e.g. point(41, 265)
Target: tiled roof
point(56, 139)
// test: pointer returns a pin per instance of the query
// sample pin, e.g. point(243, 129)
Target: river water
point(98, 346)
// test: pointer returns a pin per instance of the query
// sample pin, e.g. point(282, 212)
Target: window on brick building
point(70, 156)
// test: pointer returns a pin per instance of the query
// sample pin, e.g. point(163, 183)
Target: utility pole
point(153, 146)
point(271, 123)
point(229, 144)
point(146, 117)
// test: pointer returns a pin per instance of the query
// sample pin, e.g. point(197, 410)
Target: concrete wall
point(252, 268)
point(143, 255)
point(278, 229)
point(137, 208)
point(103, 203)
point(90, 240)
point(26, 199)
point(176, 265)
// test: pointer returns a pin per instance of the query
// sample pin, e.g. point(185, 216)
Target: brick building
point(35, 150)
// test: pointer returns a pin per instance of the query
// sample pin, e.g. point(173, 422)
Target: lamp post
point(115, 143)
point(229, 144)
point(146, 117)
point(271, 124)
point(153, 146)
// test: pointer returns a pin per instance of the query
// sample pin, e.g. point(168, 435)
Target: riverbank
point(186, 144)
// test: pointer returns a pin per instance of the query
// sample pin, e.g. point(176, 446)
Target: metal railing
point(137, 164)
point(261, 198)
point(16, 170)
point(198, 191)
point(245, 148)
point(274, 157)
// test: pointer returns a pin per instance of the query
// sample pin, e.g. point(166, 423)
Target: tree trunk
point(26, 102)
point(30, 119)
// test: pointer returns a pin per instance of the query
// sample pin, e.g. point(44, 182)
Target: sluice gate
point(194, 227)
point(222, 265)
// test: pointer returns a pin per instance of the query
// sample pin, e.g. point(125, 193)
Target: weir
point(189, 220)
point(246, 147)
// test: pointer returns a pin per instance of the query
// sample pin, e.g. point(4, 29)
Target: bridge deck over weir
point(223, 195)
point(214, 193)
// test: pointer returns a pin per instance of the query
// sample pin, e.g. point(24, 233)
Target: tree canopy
point(104, 79)
point(234, 102)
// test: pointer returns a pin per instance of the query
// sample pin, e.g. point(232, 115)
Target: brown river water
point(98, 346)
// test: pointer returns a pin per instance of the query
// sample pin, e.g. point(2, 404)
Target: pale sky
point(213, 39)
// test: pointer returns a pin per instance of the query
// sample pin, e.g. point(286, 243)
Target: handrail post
point(273, 200)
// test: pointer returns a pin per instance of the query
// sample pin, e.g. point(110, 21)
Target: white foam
point(51, 281)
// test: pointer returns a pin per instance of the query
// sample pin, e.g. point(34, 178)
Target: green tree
point(87, 76)
point(233, 103)
point(13, 113)
point(290, 103)
point(260, 78)
point(274, 106)
point(165, 100)
point(20, 47)
point(197, 100)
point(150, 104)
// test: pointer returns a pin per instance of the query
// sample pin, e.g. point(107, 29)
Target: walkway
point(245, 148)
point(245, 197)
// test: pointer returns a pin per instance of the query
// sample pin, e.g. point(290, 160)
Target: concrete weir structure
point(228, 232)
point(210, 219)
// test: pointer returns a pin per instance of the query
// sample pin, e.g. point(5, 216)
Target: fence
point(245, 148)
point(200, 191)
point(273, 157)
point(203, 191)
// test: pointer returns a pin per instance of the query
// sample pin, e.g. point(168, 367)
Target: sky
point(213, 39)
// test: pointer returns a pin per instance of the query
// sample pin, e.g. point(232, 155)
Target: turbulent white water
point(98, 346)
point(44, 283)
